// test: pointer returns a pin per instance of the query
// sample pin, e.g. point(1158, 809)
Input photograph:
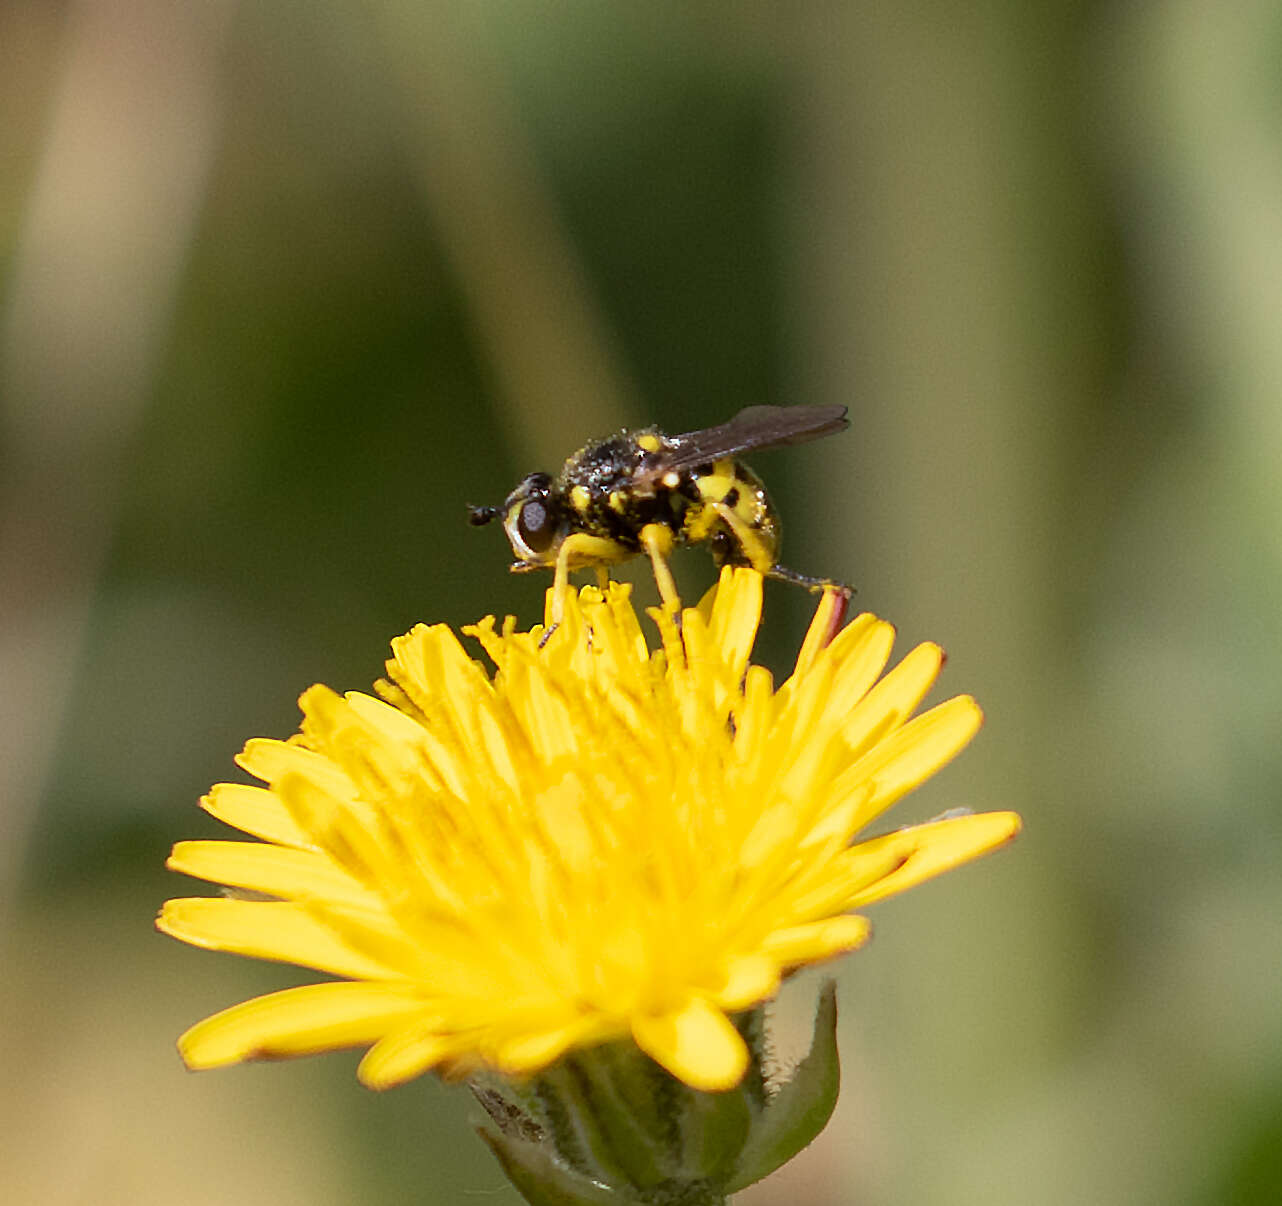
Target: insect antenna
point(479, 516)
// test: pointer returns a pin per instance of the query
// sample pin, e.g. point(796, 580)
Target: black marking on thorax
point(613, 466)
point(604, 466)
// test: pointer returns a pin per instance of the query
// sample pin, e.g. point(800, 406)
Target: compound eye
point(535, 527)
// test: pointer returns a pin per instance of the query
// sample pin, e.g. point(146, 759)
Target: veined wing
point(756, 427)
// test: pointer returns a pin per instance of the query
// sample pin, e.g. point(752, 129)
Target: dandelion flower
point(575, 843)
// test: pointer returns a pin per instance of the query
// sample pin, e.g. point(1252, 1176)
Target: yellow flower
point(597, 840)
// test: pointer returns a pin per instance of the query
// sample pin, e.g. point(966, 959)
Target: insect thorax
point(615, 487)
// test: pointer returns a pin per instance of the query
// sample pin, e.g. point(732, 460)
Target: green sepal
point(610, 1126)
point(800, 1109)
point(609, 1114)
point(617, 1116)
point(540, 1178)
point(714, 1129)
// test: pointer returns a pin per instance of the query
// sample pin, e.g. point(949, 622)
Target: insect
point(641, 491)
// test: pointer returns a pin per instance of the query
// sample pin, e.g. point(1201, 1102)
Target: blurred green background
point(285, 285)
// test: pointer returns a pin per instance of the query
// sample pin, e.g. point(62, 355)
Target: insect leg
point(758, 555)
point(560, 584)
point(754, 550)
point(657, 541)
point(578, 547)
point(811, 584)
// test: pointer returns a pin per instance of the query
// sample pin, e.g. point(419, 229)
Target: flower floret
point(588, 840)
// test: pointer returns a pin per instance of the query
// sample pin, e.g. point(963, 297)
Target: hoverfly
point(641, 491)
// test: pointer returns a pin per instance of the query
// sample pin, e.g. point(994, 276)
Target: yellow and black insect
point(643, 492)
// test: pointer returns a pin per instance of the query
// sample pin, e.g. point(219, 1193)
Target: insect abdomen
point(733, 514)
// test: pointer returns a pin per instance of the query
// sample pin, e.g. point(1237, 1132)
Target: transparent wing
point(756, 427)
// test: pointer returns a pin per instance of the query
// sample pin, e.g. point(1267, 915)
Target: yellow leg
point(580, 547)
point(602, 576)
point(759, 555)
point(560, 584)
point(657, 542)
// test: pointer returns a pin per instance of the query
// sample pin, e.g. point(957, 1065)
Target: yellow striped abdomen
point(734, 516)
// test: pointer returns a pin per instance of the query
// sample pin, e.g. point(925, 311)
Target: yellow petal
point(861, 650)
point(940, 846)
point(851, 871)
point(403, 951)
point(407, 1052)
point(894, 698)
point(274, 870)
point(818, 940)
point(390, 721)
point(298, 1021)
point(820, 633)
point(696, 1043)
point(750, 979)
point(913, 753)
point(285, 932)
point(256, 811)
point(734, 617)
point(269, 760)
point(528, 1052)
point(375, 765)
point(347, 831)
